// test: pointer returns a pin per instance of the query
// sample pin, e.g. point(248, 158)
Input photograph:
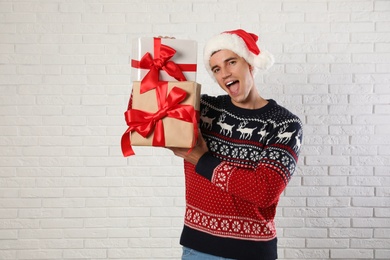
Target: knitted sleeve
point(264, 184)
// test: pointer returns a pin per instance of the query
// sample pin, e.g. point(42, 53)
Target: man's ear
point(251, 70)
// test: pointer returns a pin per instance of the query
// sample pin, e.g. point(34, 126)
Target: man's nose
point(225, 73)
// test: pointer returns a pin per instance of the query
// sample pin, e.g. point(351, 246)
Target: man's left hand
point(194, 155)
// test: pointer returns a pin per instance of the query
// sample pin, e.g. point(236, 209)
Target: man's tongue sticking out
point(233, 87)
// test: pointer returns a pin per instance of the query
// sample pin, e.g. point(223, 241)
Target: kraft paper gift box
point(177, 133)
point(185, 57)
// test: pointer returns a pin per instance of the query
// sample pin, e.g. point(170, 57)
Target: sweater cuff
point(206, 165)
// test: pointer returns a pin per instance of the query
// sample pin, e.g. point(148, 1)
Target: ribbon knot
point(158, 63)
point(160, 114)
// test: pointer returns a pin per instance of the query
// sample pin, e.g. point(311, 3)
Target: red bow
point(161, 60)
point(145, 122)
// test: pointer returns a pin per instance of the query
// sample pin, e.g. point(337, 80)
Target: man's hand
point(194, 155)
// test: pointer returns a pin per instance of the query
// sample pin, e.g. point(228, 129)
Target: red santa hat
point(243, 44)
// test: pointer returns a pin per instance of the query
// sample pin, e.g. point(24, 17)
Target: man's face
point(233, 75)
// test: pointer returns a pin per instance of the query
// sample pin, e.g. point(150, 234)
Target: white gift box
point(185, 57)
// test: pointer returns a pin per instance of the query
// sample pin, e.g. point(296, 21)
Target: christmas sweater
point(233, 191)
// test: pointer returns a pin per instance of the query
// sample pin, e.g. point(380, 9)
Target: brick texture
point(66, 192)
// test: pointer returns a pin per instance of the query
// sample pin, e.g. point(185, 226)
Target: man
point(242, 162)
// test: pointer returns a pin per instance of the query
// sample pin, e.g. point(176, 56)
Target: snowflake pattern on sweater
point(234, 189)
point(241, 139)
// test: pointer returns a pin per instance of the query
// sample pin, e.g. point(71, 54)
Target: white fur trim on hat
point(263, 61)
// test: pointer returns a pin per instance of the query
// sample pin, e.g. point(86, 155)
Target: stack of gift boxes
point(164, 105)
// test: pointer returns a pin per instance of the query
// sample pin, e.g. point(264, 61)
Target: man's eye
point(232, 62)
point(215, 70)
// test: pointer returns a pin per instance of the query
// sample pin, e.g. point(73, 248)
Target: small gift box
point(166, 59)
point(166, 116)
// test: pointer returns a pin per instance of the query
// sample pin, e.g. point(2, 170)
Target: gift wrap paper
point(177, 133)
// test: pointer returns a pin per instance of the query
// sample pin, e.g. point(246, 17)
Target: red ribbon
point(145, 123)
point(161, 60)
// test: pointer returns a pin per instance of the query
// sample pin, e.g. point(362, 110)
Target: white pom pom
point(264, 60)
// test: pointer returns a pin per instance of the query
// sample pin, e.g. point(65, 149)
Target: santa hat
point(243, 44)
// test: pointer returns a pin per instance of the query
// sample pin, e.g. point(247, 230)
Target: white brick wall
point(66, 192)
